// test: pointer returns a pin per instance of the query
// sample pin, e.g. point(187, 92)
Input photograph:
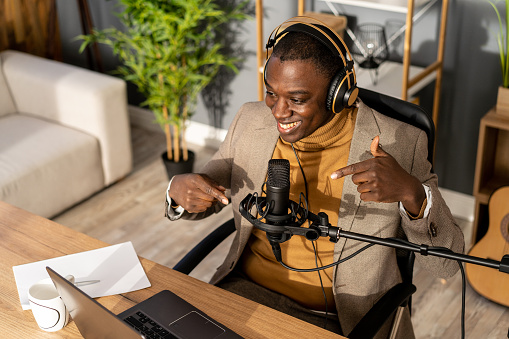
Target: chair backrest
point(416, 116)
point(404, 111)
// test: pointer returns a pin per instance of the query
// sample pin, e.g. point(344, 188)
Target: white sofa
point(64, 133)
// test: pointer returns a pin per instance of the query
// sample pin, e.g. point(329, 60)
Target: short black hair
point(302, 46)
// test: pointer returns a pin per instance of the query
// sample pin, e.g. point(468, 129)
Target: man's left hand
point(382, 179)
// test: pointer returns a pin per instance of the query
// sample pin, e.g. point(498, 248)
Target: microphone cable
point(463, 280)
point(443, 249)
point(316, 269)
point(321, 285)
point(302, 171)
point(463, 292)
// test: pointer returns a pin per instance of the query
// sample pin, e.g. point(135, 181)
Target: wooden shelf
point(399, 6)
point(492, 163)
point(489, 186)
point(410, 80)
point(389, 79)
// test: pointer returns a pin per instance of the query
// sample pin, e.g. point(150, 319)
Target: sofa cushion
point(87, 101)
point(46, 167)
point(6, 103)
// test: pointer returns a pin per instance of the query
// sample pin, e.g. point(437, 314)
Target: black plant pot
point(181, 167)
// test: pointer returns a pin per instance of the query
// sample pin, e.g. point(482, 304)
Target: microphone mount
point(282, 228)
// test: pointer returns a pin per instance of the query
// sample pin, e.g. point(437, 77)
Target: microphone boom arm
point(320, 227)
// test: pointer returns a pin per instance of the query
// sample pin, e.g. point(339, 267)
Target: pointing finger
point(219, 196)
point(217, 192)
point(376, 151)
point(351, 169)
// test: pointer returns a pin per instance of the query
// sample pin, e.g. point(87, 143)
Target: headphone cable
point(321, 285)
point(312, 242)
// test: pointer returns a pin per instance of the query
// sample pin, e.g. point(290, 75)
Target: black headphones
point(343, 89)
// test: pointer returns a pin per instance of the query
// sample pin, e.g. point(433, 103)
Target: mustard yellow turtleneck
point(321, 153)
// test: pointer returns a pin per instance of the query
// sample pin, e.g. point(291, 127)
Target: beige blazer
point(240, 165)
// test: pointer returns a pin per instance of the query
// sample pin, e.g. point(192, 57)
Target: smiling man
point(337, 161)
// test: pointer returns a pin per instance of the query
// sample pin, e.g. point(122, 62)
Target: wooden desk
point(26, 238)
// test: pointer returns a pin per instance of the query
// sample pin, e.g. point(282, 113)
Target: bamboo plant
point(503, 41)
point(167, 50)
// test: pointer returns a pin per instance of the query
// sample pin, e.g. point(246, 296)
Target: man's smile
point(287, 127)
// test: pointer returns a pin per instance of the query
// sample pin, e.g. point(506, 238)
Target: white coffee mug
point(47, 307)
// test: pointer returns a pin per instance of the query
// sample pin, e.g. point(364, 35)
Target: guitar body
point(489, 282)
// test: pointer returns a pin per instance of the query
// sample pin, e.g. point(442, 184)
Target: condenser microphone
point(275, 213)
point(277, 191)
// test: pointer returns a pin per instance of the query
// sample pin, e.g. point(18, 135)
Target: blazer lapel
point(366, 128)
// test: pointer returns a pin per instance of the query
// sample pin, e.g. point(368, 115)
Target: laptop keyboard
point(148, 327)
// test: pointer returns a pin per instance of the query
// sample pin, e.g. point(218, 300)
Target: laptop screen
point(92, 319)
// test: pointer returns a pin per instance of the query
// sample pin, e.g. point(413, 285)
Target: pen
point(86, 282)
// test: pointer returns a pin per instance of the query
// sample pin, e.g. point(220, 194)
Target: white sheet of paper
point(117, 267)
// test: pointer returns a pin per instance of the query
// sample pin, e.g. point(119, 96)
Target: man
point(346, 173)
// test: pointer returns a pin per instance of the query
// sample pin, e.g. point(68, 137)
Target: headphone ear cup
point(335, 92)
point(350, 96)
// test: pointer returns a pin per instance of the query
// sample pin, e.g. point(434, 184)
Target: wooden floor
point(132, 210)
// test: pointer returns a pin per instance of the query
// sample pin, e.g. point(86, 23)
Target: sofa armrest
point(92, 102)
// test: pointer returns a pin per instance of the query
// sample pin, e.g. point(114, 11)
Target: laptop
point(164, 315)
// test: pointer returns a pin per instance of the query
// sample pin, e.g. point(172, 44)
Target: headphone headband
point(317, 29)
point(344, 84)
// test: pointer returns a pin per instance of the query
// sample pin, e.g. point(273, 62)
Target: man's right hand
point(196, 192)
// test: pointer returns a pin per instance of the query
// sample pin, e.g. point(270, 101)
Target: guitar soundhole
point(504, 227)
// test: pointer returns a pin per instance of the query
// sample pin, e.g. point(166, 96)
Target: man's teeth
point(287, 126)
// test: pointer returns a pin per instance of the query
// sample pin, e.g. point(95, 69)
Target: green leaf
point(167, 49)
point(503, 41)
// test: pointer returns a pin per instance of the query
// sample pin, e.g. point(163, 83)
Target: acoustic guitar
point(489, 282)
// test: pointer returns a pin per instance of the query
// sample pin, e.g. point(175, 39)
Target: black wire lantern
point(370, 46)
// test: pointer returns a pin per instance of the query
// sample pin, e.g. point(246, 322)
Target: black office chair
point(399, 296)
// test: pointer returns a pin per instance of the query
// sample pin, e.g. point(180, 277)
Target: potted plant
point(168, 51)
point(502, 106)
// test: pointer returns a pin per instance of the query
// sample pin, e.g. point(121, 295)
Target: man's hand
point(382, 179)
point(196, 192)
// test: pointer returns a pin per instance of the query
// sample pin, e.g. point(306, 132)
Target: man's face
point(296, 94)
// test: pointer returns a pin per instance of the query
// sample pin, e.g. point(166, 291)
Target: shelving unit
point(395, 79)
point(385, 5)
point(492, 164)
point(413, 78)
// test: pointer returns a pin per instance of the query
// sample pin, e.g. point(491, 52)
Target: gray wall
point(469, 88)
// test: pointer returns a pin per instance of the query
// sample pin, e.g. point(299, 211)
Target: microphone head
point(278, 173)
point(278, 188)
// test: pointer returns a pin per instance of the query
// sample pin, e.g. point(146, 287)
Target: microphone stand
point(281, 228)
point(281, 231)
